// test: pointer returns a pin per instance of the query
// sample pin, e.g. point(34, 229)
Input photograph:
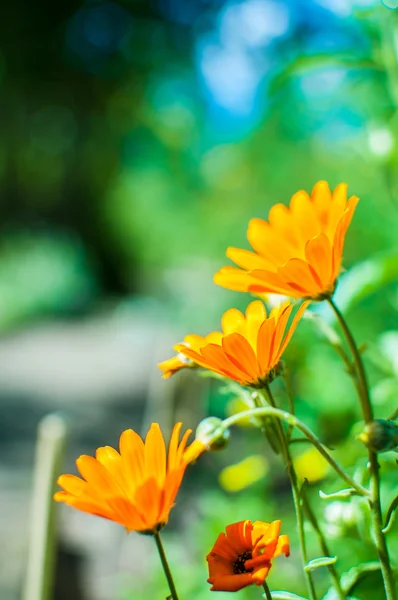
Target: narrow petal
point(305, 217)
point(171, 366)
point(248, 260)
point(72, 484)
point(265, 343)
point(232, 320)
point(147, 499)
point(241, 354)
point(279, 333)
point(318, 252)
point(96, 475)
point(173, 447)
point(155, 455)
point(322, 199)
point(233, 279)
point(112, 461)
point(293, 326)
point(216, 356)
point(132, 452)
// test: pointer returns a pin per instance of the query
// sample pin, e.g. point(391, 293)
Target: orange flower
point(250, 346)
point(172, 365)
point(135, 488)
point(243, 555)
point(298, 251)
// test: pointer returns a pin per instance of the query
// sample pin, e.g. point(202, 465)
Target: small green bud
point(380, 435)
point(212, 433)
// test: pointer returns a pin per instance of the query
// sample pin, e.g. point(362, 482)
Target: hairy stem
point(296, 497)
point(374, 500)
point(292, 420)
point(323, 544)
point(267, 592)
point(165, 566)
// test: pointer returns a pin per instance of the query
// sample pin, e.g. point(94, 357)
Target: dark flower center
point(239, 564)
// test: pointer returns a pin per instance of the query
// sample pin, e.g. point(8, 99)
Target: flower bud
point(380, 435)
point(212, 433)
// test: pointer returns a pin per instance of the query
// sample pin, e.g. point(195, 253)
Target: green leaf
point(323, 561)
point(346, 493)
point(331, 594)
point(354, 576)
point(285, 596)
point(365, 279)
point(390, 515)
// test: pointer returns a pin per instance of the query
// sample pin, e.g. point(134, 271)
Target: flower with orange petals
point(135, 487)
point(249, 347)
point(176, 363)
point(243, 555)
point(298, 251)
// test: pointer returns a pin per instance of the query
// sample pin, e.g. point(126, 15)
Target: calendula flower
point(135, 487)
point(176, 363)
point(243, 555)
point(298, 251)
point(249, 347)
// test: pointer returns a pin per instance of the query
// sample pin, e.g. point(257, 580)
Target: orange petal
point(173, 447)
point(132, 448)
point(148, 500)
point(241, 354)
point(236, 537)
point(171, 366)
point(112, 461)
point(293, 326)
point(318, 252)
point(265, 342)
point(297, 274)
point(96, 475)
point(248, 260)
point(233, 279)
point(223, 548)
point(259, 575)
point(216, 356)
point(231, 583)
point(283, 546)
point(279, 332)
point(305, 218)
point(267, 281)
point(155, 455)
point(72, 484)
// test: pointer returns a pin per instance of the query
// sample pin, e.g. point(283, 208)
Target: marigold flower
point(249, 347)
point(242, 556)
point(136, 487)
point(174, 364)
point(298, 251)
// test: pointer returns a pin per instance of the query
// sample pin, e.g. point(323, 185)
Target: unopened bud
point(212, 433)
point(380, 435)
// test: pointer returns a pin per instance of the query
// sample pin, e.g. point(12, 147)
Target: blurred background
point(138, 139)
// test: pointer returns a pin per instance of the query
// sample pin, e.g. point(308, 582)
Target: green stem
point(165, 566)
point(296, 497)
point(374, 500)
point(292, 420)
point(323, 544)
point(267, 592)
